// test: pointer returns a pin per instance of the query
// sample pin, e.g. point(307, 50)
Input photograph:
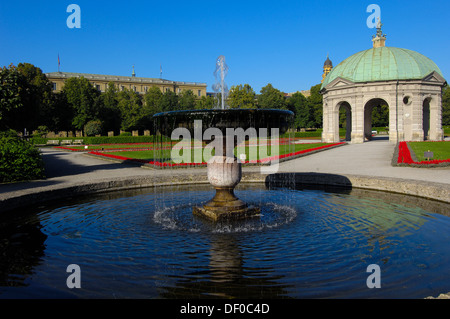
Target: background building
point(136, 84)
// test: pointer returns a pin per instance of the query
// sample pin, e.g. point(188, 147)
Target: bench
point(66, 142)
point(78, 142)
point(53, 142)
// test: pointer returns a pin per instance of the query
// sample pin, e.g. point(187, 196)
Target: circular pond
point(307, 243)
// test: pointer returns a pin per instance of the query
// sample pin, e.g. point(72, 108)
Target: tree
point(151, 106)
point(152, 100)
point(36, 98)
point(62, 115)
point(271, 98)
point(380, 116)
point(446, 106)
point(130, 105)
point(241, 96)
point(169, 101)
point(303, 115)
point(10, 98)
point(25, 90)
point(206, 102)
point(109, 112)
point(186, 100)
point(82, 96)
point(315, 104)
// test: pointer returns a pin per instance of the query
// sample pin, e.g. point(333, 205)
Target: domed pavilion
point(409, 83)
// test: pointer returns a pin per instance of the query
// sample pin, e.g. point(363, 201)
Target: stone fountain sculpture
point(224, 169)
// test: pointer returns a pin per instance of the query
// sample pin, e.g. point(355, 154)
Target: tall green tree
point(63, 113)
point(11, 81)
point(446, 106)
point(152, 100)
point(151, 106)
point(242, 96)
point(26, 97)
point(36, 97)
point(298, 104)
point(130, 105)
point(206, 102)
point(109, 111)
point(82, 96)
point(186, 100)
point(271, 98)
point(315, 104)
point(169, 101)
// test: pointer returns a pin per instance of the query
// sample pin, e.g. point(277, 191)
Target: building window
point(98, 87)
point(199, 93)
point(122, 88)
point(54, 86)
point(146, 89)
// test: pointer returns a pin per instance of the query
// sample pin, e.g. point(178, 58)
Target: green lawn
point(283, 149)
point(441, 150)
point(110, 146)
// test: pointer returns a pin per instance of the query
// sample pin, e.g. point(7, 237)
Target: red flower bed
point(278, 157)
point(404, 156)
point(164, 164)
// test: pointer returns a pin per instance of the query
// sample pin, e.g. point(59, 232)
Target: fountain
point(224, 168)
point(220, 86)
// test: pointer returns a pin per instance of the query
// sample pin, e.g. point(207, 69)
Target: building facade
point(137, 84)
point(409, 83)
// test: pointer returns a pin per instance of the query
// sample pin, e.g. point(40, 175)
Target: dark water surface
point(308, 243)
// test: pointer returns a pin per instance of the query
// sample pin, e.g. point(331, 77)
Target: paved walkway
point(367, 159)
point(65, 169)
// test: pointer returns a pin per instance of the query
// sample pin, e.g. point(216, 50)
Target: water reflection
point(22, 246)
point(227, 276)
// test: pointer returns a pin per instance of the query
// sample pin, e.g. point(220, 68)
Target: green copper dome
point(383, 64)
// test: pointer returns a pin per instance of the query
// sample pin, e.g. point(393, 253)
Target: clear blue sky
point(280, 42)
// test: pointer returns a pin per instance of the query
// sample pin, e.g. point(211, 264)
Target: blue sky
point(284, 43)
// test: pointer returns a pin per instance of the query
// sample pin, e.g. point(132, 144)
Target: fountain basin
point(308, 243)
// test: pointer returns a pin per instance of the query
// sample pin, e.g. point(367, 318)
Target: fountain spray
point(220, 73)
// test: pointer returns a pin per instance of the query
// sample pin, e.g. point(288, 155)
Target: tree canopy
point(26, 89)
point(242, 96)
point(271, 98)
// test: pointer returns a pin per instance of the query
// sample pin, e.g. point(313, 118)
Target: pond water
point(307, 243)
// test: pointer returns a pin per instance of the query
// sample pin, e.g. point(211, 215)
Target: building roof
point(383, 64)
point(115, 78)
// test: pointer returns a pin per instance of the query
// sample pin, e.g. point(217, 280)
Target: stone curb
point(33, 196)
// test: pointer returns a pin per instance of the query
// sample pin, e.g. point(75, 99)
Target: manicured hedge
point(92, 140)
point(19, 160)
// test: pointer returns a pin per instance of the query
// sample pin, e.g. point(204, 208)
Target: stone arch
point(344, 108)
point(369, 106)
